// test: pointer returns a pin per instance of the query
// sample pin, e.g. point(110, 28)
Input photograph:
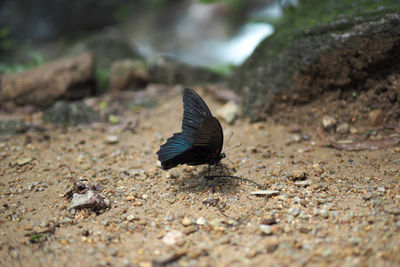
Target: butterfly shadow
point(211, 178)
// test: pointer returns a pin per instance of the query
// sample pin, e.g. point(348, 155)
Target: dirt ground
point(329, 206)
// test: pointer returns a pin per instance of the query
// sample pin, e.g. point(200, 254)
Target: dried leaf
point(367, 145)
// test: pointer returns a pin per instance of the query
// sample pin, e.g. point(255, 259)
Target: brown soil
point(345, 210)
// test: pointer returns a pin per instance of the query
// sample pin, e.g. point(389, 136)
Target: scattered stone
point(23, 161)
point(186, 221)
point(165, 259)
point(112, 139)
point(201, 221)
point(265, 229)
point(169, 217)
point(10, 127)
point(69, 113)
point(65, 78)
point(398, 224)
point(323, 213)
point(298, 175)
point(91, 199)
point(381, 189)
point(295, 211)
point(173, 174)
point(303, 183)
point(376, 117)
point(267, 193)
point(328, 122)
point(269, 221)
point(393, 210)
point(131, 218)
point(130, 198)
point(172, 237)
point(294, 138)
point(342, 128)
point(353, 130)
point(128, 73)
point(229, 112)
point(368, 196)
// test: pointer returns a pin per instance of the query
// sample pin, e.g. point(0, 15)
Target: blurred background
point(196, 32)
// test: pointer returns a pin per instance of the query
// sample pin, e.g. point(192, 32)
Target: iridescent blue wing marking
point(174, 146)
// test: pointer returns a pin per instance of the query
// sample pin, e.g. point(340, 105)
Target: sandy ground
point(329, 207)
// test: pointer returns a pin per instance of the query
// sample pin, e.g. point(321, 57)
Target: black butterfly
point(201, 139)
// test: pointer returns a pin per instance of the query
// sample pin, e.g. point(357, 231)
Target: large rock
point(70, 78)
point(170, 71)
point(353, 53)
point(70, 113)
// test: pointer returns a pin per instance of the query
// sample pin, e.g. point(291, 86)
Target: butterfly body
point(201, 139)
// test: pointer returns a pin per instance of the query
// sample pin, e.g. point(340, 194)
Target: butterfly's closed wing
point(201, 139)
point(194, 112)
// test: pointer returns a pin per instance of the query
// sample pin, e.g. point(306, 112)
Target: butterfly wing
point(194, 112)
point(201, 138)
point(208, 144)
point(174, 146)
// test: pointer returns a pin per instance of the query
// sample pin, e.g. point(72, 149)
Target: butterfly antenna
point(233, 147)
point(227, 142)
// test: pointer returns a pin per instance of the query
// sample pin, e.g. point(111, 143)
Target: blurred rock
point(107, 46)
point(70, 78)
point(91, 199)
point(342, 54)
point(10, 127)
point(229, 112)
point(328, 122)
point(69, 113)
point(169, 71)
point(343, 128)
point(172, 237)
point(376, 117)
point(128, 73)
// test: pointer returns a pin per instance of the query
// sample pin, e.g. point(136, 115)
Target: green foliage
point(103, 105)
point(114, 119)
point(103, 78)
point(224, 70)
point(36, 238)
point(312, 13)
point(123, 11)
point(6, 43)
point(157, 3)
point(35, 59)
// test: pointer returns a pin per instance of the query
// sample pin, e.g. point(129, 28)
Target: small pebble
point(294, 211)
point(265, 229)
point(381, 189)
point(298, 175)
point(328, 122)
point(303, 183)
point(376, 117)
point(269, 221)
point(130, 217)
point(23, 161)
point(201, 221)
point(172, 174)
point(172, 237)
point(229, 112)
point(342, 128)
point(268, 193)
point(169, 217)
point(324, 213)
point(186, 221)
point(112, 139)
